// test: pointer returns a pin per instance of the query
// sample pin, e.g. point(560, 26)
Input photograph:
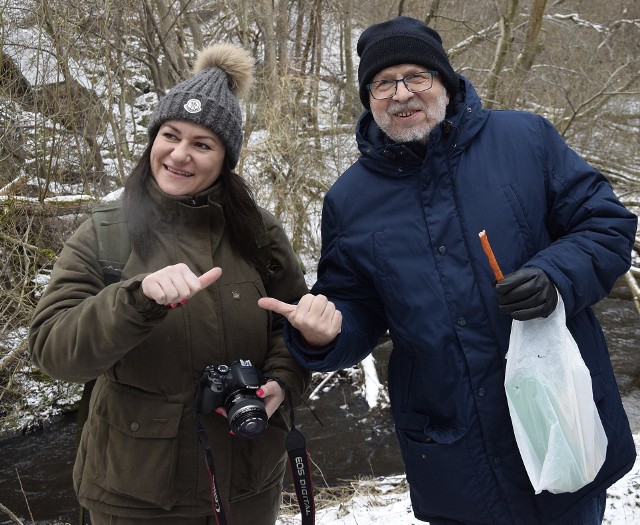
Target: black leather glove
point(526, 294)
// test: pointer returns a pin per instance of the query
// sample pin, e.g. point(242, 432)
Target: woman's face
point(186, 158)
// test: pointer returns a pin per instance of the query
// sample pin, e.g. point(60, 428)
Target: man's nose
point(402, 93)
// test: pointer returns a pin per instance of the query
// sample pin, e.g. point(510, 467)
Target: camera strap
point(216, 503)
point(299, 465)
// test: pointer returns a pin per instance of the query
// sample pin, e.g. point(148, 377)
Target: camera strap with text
point(298, 462)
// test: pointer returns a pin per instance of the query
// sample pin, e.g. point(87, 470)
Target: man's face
point(407, 116)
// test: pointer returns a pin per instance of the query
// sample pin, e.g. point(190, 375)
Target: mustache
point(411, 105)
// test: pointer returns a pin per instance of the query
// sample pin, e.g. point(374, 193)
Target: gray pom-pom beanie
point(402, 40)
point(222, 74)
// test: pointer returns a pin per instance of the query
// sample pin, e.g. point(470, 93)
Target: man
point(400, 251)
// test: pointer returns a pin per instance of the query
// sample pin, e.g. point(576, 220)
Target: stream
point(354, 441)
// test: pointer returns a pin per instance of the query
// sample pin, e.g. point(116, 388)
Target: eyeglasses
point(415, 83)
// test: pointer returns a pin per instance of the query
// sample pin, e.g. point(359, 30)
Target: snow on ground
point(386, 501)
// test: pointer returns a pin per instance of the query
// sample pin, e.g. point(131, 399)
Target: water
point(353, 442)
point(36, 468)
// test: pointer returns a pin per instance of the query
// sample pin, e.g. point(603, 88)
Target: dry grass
point(341, 494)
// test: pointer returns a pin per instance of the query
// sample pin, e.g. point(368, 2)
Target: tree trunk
point(502, 49)
point(432, 12)
point(351, 108)
point(531, 48)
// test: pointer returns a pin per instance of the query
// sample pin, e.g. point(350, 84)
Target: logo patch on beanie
point(193, 106)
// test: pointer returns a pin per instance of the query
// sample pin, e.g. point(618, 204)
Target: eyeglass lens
point(415, 83)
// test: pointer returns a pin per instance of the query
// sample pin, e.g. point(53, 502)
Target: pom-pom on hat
point(222, 74)
point(402, 40)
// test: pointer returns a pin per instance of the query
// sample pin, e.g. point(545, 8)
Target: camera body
point(233, 387)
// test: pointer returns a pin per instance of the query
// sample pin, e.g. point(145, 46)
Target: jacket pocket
point(520, 218)
point(440, 472)
point(133, 447)
point(259, 463)
point(239, 307)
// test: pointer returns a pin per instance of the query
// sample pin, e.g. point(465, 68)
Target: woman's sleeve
point(80, 327)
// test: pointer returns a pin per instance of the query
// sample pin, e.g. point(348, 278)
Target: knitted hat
point(402, 40)
point(222, 73)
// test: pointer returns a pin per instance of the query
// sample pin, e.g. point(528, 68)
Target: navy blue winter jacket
point(400, 251)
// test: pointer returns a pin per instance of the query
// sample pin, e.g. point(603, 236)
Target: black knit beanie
point(402, 40)
point(222, 73)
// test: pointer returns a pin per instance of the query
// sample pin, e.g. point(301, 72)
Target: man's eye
point(418, 78)
point(385, 85)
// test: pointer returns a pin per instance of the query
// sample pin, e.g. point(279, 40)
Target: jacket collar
point(212, 194)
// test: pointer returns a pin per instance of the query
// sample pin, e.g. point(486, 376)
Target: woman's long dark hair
point(242, 217)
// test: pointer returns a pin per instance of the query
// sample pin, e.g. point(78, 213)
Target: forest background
point(79, 79)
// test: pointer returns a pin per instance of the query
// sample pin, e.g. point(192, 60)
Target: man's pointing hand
point(315, 317)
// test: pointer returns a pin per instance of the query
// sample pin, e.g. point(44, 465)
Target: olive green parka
point(139, 455)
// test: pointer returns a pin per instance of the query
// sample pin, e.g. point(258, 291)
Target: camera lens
point(247, 416)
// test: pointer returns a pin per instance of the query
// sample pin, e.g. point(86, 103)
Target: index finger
point(279, 307)
point(210, 277)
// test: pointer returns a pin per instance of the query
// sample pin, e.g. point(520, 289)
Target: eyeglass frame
point(369, 86)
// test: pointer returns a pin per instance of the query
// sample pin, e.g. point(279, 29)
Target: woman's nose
point(180, 152)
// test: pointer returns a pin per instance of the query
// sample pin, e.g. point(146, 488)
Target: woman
point(187, 299)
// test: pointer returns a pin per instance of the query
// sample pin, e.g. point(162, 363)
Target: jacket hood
point(465, 117)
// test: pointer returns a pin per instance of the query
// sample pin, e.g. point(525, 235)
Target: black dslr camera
point(233, 387)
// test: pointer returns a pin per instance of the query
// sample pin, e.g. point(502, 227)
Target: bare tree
point(531, 47)
point(78, 79)
point(506, 20)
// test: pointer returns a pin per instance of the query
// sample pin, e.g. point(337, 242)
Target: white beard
point(434, 113)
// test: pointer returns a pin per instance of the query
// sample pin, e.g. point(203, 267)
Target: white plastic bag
point(555, 420)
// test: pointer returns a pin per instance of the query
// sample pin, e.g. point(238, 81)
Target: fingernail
point(218, 411)
point(184, 301)
point(232, 433)
point(260, 392)
point(174, 305)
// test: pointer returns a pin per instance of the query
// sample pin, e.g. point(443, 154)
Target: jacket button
point(135, 426)
point(443, 250)
point(461, 321)
point(482, 392)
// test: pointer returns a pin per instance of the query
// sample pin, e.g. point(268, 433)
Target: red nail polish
point(260, 392)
